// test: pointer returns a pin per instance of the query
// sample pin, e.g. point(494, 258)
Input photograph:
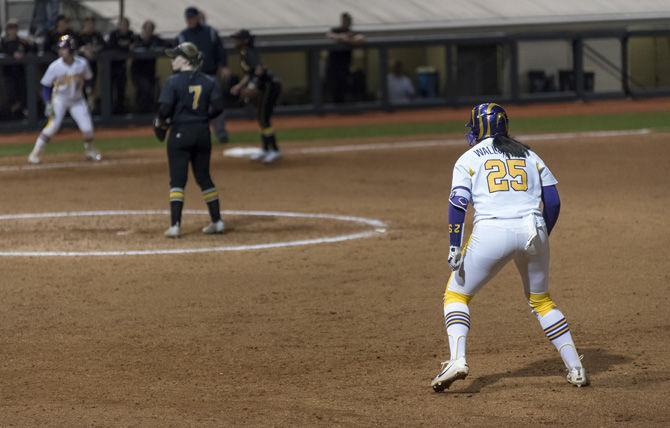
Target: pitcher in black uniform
point(258, 86)
point(188, 101)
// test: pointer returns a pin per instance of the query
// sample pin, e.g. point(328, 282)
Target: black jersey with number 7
point(190, 96)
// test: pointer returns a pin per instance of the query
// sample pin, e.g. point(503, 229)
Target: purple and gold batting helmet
point(486, 120)
point(67, 42)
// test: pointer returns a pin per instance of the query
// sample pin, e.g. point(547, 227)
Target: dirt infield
point(346, 333)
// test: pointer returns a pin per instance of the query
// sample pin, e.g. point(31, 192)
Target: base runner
point(62, 90)
point(505, 182)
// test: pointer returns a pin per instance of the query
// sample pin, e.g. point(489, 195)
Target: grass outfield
point(609, 122)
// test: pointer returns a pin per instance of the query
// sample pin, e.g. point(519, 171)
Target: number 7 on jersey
point(196, 90)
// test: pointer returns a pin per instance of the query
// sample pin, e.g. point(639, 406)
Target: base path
point(401, 116)
point(17, 165)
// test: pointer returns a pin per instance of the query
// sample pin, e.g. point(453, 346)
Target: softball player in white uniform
point(505, 181)
point(62, 91)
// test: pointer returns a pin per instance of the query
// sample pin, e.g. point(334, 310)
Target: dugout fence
point(446, 70)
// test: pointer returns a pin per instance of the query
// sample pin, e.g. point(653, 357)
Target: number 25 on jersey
point(499, 169)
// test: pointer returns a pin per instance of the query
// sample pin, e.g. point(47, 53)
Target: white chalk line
point(445, 143)
point(379, 228)
point(76, 164)
point(331, 149)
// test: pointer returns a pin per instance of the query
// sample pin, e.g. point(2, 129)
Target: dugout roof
point(295, 17)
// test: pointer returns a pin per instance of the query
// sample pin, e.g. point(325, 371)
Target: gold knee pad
point(455, 297)
point(541, 303)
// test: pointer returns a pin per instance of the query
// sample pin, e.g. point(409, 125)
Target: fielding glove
point(161, 128)
point(455, 257)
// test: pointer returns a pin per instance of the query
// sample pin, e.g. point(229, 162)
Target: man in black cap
point(215, 63)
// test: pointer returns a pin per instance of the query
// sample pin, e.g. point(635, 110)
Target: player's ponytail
point(510, 147)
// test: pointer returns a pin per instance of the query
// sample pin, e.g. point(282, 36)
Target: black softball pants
point(190, 144)
point(266, 104)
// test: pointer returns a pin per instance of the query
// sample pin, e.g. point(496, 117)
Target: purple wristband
point(551, 206)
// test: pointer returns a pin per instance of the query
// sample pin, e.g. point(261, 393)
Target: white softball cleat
point(214, 228)
point(272, 156)
point(34, 158)
point(577, 376)
point(92, 155)
point(451, 371)
point(173, 231)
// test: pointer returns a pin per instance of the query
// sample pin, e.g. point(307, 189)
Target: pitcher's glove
point(455, 258)
point(249, 95)
point(161, 128)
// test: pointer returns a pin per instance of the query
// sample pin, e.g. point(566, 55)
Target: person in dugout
point(188, 101)
point(258, 86)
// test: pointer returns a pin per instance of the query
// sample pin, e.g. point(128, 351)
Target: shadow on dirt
point(596, 360)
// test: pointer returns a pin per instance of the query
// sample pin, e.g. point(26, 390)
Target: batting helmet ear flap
point(502, 122)
point(472, 128)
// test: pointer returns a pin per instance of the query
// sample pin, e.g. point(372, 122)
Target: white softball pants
point(79, 112)
point(493, 243)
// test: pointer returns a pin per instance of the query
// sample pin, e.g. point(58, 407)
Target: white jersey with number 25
point(501, 187)
point(67, 80)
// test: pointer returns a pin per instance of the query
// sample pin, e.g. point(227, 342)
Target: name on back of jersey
point(487, 150)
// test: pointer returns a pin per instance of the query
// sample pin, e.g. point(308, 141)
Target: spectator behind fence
point(62, 28)
point(339, 58)
point(14, 75)
point(143, 70)
point(45, 14)
point(120, 41)
point(91, 42)
point(215, 63)
point(400, 87)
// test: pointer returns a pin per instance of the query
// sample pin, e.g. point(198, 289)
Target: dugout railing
point(457, 84)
